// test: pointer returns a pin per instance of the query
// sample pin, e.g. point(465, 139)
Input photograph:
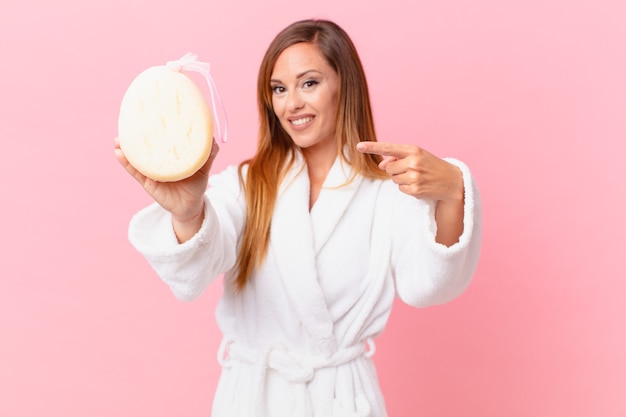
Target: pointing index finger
point(384, 149)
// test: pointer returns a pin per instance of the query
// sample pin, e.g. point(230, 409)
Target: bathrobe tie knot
point(295, 367)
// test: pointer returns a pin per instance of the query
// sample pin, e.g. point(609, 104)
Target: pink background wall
point(531, 94)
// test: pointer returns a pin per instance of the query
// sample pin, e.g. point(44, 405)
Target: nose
point(294, 100)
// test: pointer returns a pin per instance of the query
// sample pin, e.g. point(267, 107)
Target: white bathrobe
point(299, 338)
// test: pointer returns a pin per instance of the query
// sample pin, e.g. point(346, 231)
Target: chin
point(302, 142)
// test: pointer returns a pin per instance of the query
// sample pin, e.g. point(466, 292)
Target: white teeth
point(302, 121)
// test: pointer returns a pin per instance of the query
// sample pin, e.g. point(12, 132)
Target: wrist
point(191, 218)
point(186, 227)
point(456, 194)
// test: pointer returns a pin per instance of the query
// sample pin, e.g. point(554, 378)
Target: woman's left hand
point(418, 172)
point(422, 175)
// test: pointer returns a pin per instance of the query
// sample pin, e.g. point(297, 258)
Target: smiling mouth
point(299, 122)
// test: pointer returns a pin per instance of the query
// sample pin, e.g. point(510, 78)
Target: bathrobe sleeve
point(189, 267)
point(426, 272)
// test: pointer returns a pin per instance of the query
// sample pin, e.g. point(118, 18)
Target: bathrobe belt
point(299, 369)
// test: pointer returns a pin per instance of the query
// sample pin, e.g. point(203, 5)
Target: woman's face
point(305, 93)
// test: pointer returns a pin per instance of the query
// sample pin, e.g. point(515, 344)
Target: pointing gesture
point(417, 172)
point(422, 175)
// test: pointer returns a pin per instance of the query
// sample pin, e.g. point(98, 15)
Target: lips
point(301, 121)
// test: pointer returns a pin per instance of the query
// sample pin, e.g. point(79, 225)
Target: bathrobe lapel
point(332, 202)
point(296, 244)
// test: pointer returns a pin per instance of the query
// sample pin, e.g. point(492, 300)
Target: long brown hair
point(275, 149)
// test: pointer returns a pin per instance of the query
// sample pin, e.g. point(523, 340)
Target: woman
point(316, 235)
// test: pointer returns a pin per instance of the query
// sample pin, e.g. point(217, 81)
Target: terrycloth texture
point(295, 337)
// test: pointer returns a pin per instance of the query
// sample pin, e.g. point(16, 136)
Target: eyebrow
point(302, 74)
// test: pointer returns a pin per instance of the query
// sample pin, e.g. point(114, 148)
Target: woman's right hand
point(184, 199)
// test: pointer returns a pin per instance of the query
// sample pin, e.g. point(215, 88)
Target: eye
point(278, 89)
point(310, 83)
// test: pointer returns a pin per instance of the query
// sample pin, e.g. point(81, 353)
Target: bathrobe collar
point(297, 243)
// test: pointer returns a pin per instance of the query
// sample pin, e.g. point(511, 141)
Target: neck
point(318, 166)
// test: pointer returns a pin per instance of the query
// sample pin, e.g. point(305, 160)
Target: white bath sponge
point(165, 126)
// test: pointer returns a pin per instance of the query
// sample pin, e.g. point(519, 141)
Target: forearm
point(428, 270)
point(187, 268)
point(449, 219)
point(449, 212)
